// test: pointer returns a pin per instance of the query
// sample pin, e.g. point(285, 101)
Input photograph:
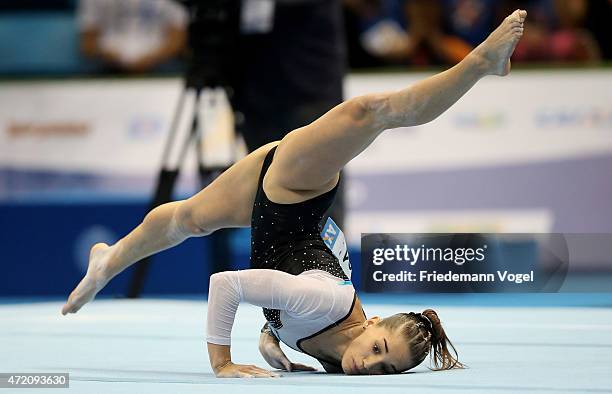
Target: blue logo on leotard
point(334, 239)
point(330, 233)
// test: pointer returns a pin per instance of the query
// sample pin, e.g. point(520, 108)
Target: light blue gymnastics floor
point(157, 346)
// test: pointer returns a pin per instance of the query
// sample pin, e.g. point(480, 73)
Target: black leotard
point(286, 237)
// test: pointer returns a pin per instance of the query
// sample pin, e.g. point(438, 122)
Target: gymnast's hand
point(231, 370)
point(273, 354)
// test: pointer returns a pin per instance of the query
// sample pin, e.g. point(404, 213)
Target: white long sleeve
point(301, 296)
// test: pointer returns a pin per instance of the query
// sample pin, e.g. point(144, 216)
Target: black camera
point(213, 31)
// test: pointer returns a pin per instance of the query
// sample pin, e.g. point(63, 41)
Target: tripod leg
point(166, 181)
point(173, 128)
point(220, 240)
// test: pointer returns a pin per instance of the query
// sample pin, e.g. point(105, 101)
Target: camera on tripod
point(214, 26)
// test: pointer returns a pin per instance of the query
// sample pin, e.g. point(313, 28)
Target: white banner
point(112, 127)
point(525, 117)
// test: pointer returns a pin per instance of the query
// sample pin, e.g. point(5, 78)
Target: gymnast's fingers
point(260, 372)
point(287, 365)
point(302, 367)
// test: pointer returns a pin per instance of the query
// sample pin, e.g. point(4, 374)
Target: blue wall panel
point(44, 248)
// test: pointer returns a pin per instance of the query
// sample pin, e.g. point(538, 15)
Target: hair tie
point(426, 318)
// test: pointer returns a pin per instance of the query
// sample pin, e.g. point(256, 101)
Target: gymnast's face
point(376, 351)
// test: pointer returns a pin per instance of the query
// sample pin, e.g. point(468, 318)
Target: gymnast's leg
point(307, 160)
point(226, 202)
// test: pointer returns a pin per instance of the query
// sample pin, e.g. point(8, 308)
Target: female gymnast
point(282, 190)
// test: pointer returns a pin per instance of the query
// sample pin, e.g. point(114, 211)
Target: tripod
point(168, 176)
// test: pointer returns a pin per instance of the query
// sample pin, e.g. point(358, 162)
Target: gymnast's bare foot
point(496, 50)
point(95, 279)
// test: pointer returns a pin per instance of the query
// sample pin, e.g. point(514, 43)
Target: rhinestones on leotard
point(273, 317)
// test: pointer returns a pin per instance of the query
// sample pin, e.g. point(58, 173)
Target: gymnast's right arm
point(304, 296)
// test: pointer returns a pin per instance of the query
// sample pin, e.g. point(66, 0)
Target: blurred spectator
point(418, 32)
point(356, 12)
point(430, 42)
point(428, 32)
point(471, 20)
point(132, 35)
point(291, 61)
point(555, 31)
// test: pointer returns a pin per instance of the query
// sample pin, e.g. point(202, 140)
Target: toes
point(517, 16)
point(67, 308)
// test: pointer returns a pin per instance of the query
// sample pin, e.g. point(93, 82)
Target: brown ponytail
point(439, 353)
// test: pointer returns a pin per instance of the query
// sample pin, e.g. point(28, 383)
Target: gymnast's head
point(399, 343)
